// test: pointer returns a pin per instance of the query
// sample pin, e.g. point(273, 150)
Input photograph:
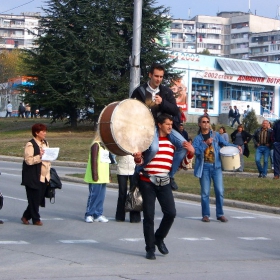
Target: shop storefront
point(216, 83)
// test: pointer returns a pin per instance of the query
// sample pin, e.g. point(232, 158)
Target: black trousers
point(135, 216)
point(276, 158)
point(35, 198)
point(165, 198)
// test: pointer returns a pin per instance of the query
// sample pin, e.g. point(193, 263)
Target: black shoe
point(173, 184)
point(260, 176)
point(150, 255)
point(161, 246)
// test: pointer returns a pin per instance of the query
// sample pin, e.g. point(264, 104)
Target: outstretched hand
point(189, 147)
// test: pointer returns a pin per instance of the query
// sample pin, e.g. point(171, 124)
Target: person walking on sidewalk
point(9, 109)
point(236, 116)
point(262, 139)
point(208, 166)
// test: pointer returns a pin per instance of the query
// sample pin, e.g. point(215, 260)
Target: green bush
point(250, 122)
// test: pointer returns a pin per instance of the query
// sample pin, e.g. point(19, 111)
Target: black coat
point(168, 105)
point(246, 137)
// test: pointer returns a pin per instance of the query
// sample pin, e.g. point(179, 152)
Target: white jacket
point(125, 165)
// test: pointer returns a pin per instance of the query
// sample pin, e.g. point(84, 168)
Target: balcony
point(239, 50)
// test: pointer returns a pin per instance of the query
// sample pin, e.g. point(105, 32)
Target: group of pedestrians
point(265, 139)
point(24, 111)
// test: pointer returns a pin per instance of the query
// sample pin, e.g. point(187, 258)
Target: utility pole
point(136, 47)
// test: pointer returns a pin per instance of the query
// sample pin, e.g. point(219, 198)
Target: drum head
point(229, 151)
point(126, 127)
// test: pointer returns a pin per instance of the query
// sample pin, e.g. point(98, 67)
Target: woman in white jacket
point(125, 171)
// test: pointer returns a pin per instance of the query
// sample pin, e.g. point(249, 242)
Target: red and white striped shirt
point(161, 164)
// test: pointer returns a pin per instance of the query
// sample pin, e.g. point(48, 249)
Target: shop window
point(266, 101)
point(202, 94)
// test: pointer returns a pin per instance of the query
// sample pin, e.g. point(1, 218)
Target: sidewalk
point(184, 196)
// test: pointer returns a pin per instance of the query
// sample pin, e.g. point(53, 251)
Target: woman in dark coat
point(35, 174)
point(241, 138)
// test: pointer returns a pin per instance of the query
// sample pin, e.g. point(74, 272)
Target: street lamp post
point(136, 47)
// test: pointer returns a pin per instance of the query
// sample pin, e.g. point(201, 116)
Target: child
point(97, 175)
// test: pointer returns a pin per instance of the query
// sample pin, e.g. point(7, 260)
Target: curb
point(193, 197)
point(184, 196)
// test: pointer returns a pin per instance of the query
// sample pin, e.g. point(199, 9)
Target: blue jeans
point(165, 198)
point(210, 172)
point(96, 199)
point(265, 152)
point(176, 139)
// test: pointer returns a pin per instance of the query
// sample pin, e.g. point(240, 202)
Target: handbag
point(134, 200)
point(55, 182)
point(1, 200)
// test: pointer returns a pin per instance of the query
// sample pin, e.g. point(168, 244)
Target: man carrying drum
point(160, 100)
point(154, 184)
point(208, 166)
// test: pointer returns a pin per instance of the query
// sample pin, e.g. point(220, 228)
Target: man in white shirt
point(9, 109)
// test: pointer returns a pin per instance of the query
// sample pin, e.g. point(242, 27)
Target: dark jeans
point(165, 198)
point(35, 198)
point(236, 119)
point(135, 216)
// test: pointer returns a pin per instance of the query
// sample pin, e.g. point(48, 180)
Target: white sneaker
point(101, 219)
point(89, 219)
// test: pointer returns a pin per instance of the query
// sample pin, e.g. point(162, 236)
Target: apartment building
point(229, 34)
point(18, 31)
point(265, 46)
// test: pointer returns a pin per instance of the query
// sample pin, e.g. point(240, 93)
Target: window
point(202, 94)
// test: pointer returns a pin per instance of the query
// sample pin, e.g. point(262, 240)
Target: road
point(65, 247)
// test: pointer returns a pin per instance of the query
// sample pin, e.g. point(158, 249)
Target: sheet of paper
point(50, 154)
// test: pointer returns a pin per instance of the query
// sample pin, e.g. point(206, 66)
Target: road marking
point(85, 241)
point(244, 217)
point(132, 239)
point(52, 219)
point(15, 198)
point(197, 239)
point(254, 238)
point(13, 242)
point(193, 218)
point(10, 174)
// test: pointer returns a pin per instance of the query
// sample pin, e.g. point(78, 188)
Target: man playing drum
point(208, 166)
point(160, 100)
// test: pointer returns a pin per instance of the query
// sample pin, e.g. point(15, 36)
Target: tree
point(250, 122)
point(9, 68)
point(82, 58)
point(206, 52)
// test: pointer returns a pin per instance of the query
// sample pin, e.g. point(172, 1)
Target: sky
point(183, 9)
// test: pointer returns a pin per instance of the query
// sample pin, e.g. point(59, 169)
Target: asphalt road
point(65, 247)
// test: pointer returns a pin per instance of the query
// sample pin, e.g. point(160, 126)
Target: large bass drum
point(126, 127)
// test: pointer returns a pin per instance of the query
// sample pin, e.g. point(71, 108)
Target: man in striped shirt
point(155, 183)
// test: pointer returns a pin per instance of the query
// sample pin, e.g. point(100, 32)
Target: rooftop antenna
point(277, 12)
point(249, 7)
point(189, 13)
